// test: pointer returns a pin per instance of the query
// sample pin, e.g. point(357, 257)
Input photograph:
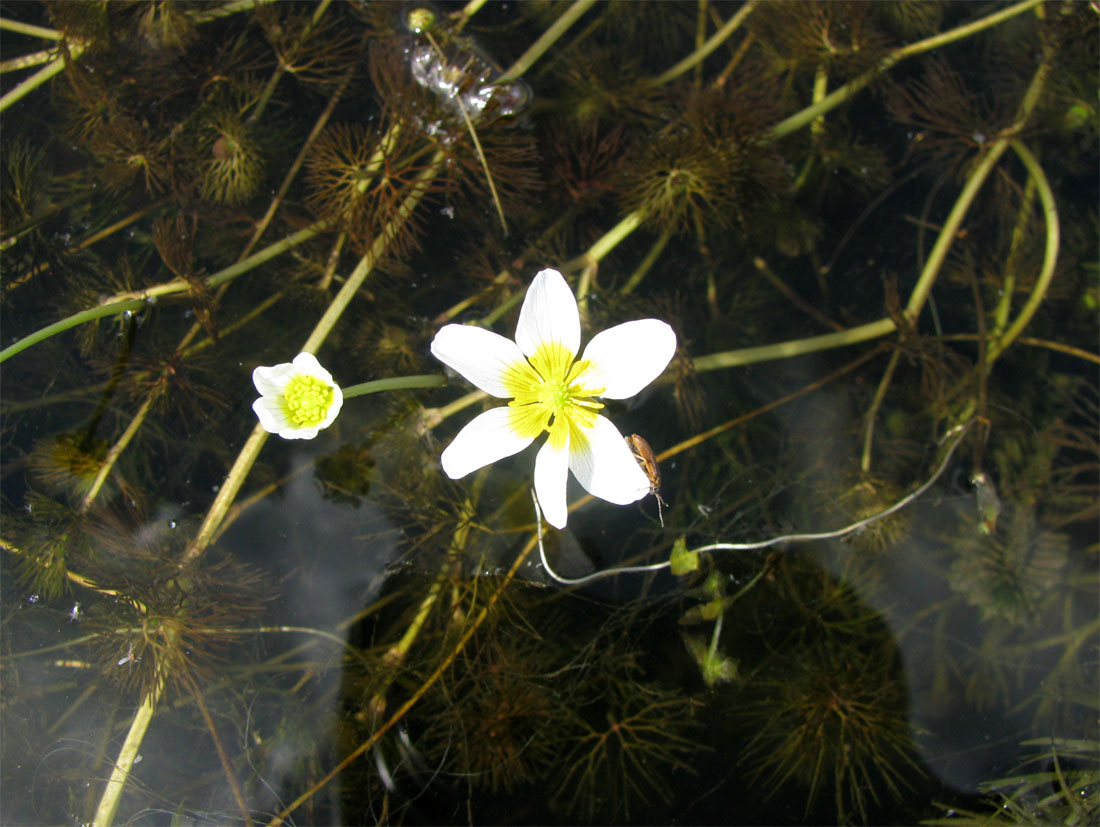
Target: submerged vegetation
point(871, 593)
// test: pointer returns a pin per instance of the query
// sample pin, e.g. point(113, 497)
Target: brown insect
point(644, 454)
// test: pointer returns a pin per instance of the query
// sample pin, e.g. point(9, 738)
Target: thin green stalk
point(116, 451)
point(951, 228)
point(848, 90)
point(647, 263)
point(7, 24)
point(716, 40)
point(428, 380)
point(27, 61)
point(137, 298)
point(1008, 288)
point(794, 347)
point(120, 773)
point(611, 239)
point(251, 450)
point(546, 40)
point(876, 403)
point(72, 321)
point(42, 76)
point(1050, 256)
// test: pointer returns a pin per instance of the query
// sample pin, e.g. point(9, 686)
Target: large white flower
point(551, 390)
point(297, 399)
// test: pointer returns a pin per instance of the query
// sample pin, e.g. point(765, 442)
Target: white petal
point(299, 433)
point(271, 381)
point(628, 357)
point(271, 414)
point(549, 314)
point(334, 408)
point(551, 476)
point(306, 363)
point(481, 356)
point(486, 438)
point(605, 465)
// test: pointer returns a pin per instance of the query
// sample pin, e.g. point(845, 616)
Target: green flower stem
point(42, 76)
point(251, 450)
point(951, 227)
point(281, 68)
point(703, 52)
point(1050, 257)
point(431, 417)
point(647, 264)
point(27, 61)
point(138, 298)
point(848, 90)
point(794, 347)
point(427, 380)
point(610, 240)
point(872, 412)
point(1008, 288)
point(116, 451)
point(9, 25)
point(546, 40)
point(72, 321)
point(206, 15)
point(120, 773)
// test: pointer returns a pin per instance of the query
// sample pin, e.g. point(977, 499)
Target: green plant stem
point(428, 380)
point(547, 39)
point(1050, 256)
point(235, 7)
point(251, 450)
point(872, 413)
point(120, 773)
point(72, 321)
point(610, 240)
point(848, 90)
point(136, 299)
point(42, 76)
point(647, 263)
point(716, 40)
point(116, 451)
point(9, 25)
point(794, 347)
point(1008, 287)
point(27, 61)
point(951, 227)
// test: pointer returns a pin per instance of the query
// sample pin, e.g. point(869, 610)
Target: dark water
point(355, 638)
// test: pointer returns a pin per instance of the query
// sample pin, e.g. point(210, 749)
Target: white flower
point(297, 399)
point(552, 392)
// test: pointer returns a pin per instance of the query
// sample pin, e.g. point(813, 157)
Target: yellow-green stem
point(1050, 256)
point(117, 449)
point(247, 457)
point(716, 40)
point(546, 40)
point(426, 380)
point(6, 24)
point(848, 90)
point(647, 263)
point(42, 76)
point(1008, 286)
point(120, 773)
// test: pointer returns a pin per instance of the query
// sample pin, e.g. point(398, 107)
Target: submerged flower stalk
point(297, 399)
point(552, 390)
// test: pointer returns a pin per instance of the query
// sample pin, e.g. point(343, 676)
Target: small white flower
point(550, 390)
point(297, 399)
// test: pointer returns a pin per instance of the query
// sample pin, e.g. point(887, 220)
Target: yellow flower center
point(307, 400)
point(550, 395)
